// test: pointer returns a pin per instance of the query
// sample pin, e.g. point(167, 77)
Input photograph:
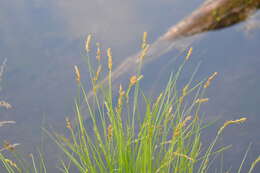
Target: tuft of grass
point(124, 131)
point(116, 134)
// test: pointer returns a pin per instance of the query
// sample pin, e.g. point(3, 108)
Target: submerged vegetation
point(128, 132)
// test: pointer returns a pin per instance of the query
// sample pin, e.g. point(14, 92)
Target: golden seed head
point(144, 43)
point(95, 87)
point(133, 80)
point(10, 162)
point(208, 82)
point(8, 146)
point(119, 103)
point(5, 105)
point(180, 126)
point(68, 123)
point(77, 73)
point(158, 99)
point(188, 118)
point(121, 91)
point(189, 54)
point(98, 56)
point(144, 52)
point(227, 123)
point(109, 132)
point(170, 110)
point(98, 73)
point(184, 93)
point(121, 94)
point(110, 61)
point(184, 156)
point(185, 90)
point(202, 100)
point(88, 40)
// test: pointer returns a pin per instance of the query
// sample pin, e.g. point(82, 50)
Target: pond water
point(43, 39)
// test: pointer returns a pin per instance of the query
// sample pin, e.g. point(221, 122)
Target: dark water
point(42, 41)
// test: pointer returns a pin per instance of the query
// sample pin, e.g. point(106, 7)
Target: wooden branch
point(213, 15)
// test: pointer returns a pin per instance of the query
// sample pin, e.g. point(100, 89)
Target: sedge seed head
point(10, 162)
point(120, 98)
point(109, 132)
point(182, 124)
point(144, 43)
point(110, 61)
point(208, 82)
point(9, 146)
point(97, 73)
point(68, 123)
point(184, 156)
point(98, 56)
point(77, 73)
point(133, 80)
point(202, 100)
point(227, 123)
point(189, 54)
point(144, 51)
point(185, 90)
point(170, 110)
point(87, 45)
point(5, 104)
point(121, 91)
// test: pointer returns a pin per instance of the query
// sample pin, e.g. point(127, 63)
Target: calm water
point(42, 41)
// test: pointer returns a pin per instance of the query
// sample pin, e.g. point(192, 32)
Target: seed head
point(227, 123)
point(180, 126)
point(10, 162)
point(133, 80)
point(98, 73)
point(144, 43)
point(144, 52)
point(208, 82)
point(5, 104)
point(202, 100)
point(68, 123)
point(77, 73)
point(110, 61)
point(109, 132)
point(9, 146)
point(184, 156)
point(87, 45)
point(189, 54)
point(98, 56)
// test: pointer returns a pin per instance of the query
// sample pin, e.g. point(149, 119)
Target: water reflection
point(42, 41)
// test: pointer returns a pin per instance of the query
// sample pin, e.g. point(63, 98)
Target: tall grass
point(125, 131)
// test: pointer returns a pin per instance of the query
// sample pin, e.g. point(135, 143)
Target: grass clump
point(162, 135)
point(127, 132)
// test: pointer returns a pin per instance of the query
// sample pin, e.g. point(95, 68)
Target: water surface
point(42, 40)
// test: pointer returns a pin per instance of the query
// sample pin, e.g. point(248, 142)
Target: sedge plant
point(116, 134)
point(125, 131)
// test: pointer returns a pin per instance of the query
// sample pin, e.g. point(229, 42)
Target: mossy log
point(213, 15)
